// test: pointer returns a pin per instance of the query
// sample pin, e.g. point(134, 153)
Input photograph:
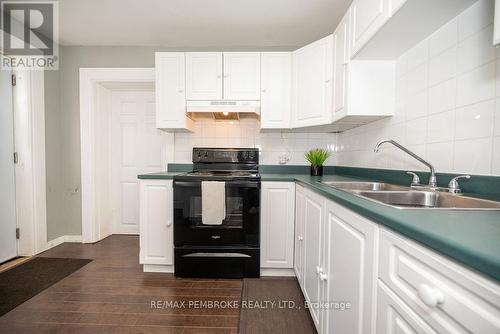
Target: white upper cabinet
point(277, 224)
point(241, 75)
point(341, 63)
point(275, 105)
point(223, 76)
point(204, 75)
point(170, 92)
point(312, 83)
point(368, 17)
point(385, 29)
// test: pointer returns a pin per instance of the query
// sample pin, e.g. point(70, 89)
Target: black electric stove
point(231, 249)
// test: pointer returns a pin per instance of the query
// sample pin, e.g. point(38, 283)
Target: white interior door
point(137, 148)
point(8, 246)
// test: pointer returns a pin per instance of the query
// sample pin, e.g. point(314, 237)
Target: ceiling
point(198, 23)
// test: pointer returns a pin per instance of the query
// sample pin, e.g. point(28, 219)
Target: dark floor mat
point(21, 283)
point(263, 318)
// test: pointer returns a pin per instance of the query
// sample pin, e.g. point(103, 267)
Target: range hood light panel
point(226, 116)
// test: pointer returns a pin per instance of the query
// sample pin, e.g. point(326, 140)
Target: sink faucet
point(432, 178)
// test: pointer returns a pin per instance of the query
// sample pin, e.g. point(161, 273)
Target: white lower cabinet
point(446, 296)
point(156, 225)
point(348, 271)
point(335, 263)
point(314, 206)
point(277, 224)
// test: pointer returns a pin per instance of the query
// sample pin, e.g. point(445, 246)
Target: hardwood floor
point(112, 295)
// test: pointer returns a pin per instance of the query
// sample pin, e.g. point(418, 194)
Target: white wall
point(246, 133)
point(447, 103)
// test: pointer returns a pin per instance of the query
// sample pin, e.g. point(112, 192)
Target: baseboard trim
point(157, 268)
point(62, 239)
point(284, 272)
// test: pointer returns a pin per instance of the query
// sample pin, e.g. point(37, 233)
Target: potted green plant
point(317, 158)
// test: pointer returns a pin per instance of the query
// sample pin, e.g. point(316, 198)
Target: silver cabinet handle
point(169, 223)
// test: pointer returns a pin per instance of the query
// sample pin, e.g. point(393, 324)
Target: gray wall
point(63, 124)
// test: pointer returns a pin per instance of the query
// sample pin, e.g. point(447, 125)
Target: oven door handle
point(214, 254)
point(241, 184)
point(187, 184)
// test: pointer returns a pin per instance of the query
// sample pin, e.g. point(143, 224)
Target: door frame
point(89, 79)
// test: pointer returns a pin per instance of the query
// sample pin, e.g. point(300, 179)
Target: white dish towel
point(213, 202)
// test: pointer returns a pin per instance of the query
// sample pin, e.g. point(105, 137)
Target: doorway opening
point(119, 140)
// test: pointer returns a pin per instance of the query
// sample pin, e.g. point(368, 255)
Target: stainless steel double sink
point(406, 198)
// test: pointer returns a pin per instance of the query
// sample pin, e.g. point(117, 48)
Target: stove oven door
point(240, 227)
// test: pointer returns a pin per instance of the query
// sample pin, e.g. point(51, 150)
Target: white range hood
point(223, 106)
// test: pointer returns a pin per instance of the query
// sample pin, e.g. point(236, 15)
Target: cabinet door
point(341, 66)
point(170, 91)
point(156, 222)
point(368, 17)
point(349, 271)
point(299, 234)
point(204, 75)
point(312, 83)
point(277, 224)
point(275, 111)
point(242, 75)
point(313, 208)
point(394, 316)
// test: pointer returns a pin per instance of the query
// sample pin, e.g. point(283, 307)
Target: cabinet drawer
point(394, 316)
point(447, 296)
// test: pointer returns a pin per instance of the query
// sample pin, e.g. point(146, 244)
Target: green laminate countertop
point(158, 176)
point(469, 237)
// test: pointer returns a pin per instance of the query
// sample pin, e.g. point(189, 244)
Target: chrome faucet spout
point(432, 178)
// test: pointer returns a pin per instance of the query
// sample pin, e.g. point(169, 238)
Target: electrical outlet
point(283, 159)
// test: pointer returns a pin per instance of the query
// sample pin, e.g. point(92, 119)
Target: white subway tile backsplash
point(441, 155)
point(442, 97)
point(473, 156)
point(416, 131)
point(496, 126)
point(418, 55)
point(417, 79)
point(475, 121)
point(476, 50)
point(417, 105)
point(476, 85)
point(475, 18)
point(495, 165)
point(246, 133)
point(443, 67)
point(401, 66)
point(441, 127)
point(411, 163)
point(444, 38)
